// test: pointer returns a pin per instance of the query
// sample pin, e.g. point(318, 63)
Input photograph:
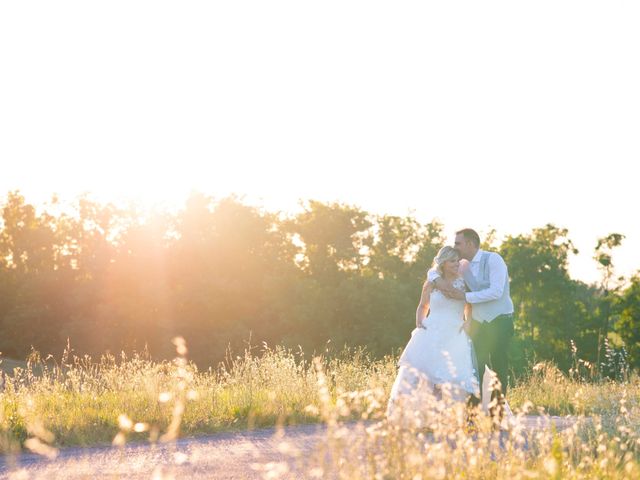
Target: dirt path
point(255, 454)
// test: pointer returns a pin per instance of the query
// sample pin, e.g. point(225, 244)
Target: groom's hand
point(455, 294)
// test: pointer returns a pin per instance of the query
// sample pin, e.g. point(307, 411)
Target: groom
point(487, 278)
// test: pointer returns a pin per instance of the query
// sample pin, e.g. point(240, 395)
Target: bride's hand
point(455, 294)
point(466, 326)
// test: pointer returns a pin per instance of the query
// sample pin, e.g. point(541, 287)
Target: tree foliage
point(220, 272)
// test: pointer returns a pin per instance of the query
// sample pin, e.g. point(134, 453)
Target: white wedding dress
point(439, 354)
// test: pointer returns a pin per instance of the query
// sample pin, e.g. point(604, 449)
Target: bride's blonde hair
point(445, 254)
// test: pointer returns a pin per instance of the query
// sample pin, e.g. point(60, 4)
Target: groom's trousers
point(491, 343)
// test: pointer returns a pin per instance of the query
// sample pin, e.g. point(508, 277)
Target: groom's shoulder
point(493, 255)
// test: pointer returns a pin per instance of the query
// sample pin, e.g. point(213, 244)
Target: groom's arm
point(432, 275)
point(497, 279)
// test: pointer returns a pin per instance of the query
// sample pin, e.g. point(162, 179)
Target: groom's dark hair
point(470, 235)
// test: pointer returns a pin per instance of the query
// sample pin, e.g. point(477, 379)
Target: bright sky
point(502, 114)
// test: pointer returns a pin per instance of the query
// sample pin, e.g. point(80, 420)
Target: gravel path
point(254, 454)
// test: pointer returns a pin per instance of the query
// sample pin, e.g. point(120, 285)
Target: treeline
point(221, 272)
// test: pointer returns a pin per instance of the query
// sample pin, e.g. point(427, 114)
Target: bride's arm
point(423, 306)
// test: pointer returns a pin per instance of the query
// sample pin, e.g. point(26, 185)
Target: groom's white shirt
point(497, 277)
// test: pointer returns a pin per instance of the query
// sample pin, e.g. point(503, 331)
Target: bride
point(439, 356)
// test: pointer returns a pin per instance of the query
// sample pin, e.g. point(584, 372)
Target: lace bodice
point(440, 305)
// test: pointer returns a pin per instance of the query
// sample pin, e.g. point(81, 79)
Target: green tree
point(334, 238)
point(604, 256)
point(34, 273)
point(546, 314)
point(628, 323)
point(403, 248)
point(227, 261)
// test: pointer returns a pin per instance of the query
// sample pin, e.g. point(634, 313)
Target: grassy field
point(77, 401)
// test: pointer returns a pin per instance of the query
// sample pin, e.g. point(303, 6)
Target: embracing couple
point(464, 322)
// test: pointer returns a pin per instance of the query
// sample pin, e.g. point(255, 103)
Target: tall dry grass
point(77, 401)
point(80, 401)
point(425, 436)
